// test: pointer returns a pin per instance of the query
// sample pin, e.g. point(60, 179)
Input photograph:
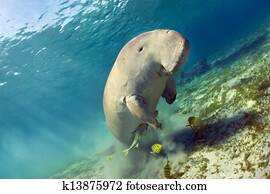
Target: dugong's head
point(167, 48)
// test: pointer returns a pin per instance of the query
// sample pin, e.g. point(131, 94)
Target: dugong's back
point(139, 71)
point(121, 122)
point(118, 117)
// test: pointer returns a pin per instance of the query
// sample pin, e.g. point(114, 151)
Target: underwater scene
point(149, 89)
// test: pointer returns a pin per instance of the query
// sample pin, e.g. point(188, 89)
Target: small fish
point(192, 122)
point(167, 170)
point(138, 134)
point(109, 158)
point(156, 148)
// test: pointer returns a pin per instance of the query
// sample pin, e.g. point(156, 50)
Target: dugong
point(141, 74)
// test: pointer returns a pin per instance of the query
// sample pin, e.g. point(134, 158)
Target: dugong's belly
point(120, 120)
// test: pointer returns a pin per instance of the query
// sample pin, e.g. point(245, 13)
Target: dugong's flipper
point(138, 108)
point(169, 92)
point(138, 134)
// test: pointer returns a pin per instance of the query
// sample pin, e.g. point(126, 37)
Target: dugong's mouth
point(174, 69)
point(177, 65)
point(165, 71)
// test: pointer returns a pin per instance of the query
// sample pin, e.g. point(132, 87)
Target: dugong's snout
point(177, 51)
point(183, 56)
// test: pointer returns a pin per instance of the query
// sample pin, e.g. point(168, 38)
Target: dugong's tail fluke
point(109, 151)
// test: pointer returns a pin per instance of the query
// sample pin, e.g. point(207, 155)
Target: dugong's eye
point(140, 49)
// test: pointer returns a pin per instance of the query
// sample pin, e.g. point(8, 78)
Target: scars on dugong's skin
point(141, 74)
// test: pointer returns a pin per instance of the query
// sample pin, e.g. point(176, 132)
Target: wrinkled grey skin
point(141, 74)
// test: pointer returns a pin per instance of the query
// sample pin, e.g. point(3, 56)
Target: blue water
point(55, 57)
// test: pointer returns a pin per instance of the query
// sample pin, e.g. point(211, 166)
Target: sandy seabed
point(231, 138)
